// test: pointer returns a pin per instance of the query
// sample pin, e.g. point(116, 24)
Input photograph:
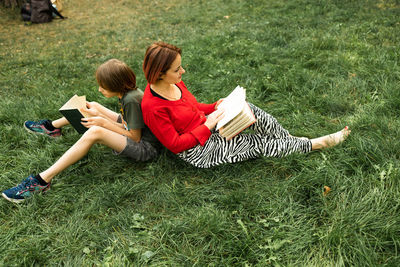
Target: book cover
point(71, 112)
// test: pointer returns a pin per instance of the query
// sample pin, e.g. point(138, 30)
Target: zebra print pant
point(270, 139)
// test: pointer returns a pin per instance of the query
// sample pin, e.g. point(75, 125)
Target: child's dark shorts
point(142, 151)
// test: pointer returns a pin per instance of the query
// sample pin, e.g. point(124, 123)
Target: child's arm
point(134, 134)
point(95, 109)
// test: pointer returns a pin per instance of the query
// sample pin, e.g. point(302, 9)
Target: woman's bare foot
point(331, 139)
point(303, 138)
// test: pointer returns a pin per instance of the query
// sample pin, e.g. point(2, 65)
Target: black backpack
point(26, 12)
point(39, 11)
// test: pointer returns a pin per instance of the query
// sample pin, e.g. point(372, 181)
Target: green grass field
point(315, 65)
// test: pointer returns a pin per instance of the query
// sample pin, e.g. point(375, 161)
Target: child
point(125, 133)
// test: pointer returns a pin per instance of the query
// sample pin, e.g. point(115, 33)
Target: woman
point(186, 127)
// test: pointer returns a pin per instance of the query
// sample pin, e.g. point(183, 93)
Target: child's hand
point(92, 105)
point(94, 121)
point(91, 109)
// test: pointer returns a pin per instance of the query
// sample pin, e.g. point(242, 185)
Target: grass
point(315, 65)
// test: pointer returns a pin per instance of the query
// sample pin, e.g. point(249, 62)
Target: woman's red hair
point(158, 59)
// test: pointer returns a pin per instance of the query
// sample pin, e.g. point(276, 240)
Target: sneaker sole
point(29, 130)
point(12, 200)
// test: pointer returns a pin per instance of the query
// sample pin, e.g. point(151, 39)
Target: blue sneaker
point(40, 128)
point(24, 190)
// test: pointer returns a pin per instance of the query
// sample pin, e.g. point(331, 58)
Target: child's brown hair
point(115, 76)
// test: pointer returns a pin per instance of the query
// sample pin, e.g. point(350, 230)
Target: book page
point(238, 124)
point(233, 105)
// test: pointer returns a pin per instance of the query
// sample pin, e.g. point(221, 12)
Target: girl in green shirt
point(125, 133)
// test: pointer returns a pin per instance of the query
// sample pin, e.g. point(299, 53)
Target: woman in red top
point(186, 127)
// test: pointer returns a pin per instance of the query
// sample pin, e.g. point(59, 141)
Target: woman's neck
point(163, 87)
point(166, 90)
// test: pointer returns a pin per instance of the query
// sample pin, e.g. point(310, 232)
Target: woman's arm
point(207, 108)
point(162, 127)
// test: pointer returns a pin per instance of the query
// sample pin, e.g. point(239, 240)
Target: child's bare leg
point(59, 123)
point(81, 148)
point(331, 139)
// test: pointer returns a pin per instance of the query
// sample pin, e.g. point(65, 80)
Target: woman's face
point(174, 73)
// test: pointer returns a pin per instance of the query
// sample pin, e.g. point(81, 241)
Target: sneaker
point(24, 190)
point(40, 128)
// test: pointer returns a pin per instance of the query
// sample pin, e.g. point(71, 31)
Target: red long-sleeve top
point(178, 125)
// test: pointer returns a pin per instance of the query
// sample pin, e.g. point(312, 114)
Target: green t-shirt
point(132, 114)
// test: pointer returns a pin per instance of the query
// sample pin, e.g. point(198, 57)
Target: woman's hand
point(214, 118)
point(219, 102)
point(94, 121)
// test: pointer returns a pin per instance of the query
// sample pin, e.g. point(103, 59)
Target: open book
point(71, 112)
point(238, 115)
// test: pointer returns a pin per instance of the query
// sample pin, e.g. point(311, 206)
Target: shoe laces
point(26, 184)
point(41, 122)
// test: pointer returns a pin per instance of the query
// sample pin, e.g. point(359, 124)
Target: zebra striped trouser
point(270, 139)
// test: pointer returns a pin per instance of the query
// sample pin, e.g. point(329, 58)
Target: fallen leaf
point(327, 189)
